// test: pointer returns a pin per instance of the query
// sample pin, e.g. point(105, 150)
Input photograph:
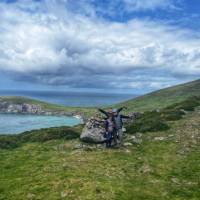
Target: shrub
point(188, 105)
point(46, 134)
point(149, 121)
point(172, 115)
point(42, 135)
point(8, 142)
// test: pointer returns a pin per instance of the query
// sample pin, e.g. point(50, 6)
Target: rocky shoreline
point(34, 109)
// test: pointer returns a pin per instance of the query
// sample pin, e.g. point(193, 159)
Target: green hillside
point(164, 97)
point(162, 164)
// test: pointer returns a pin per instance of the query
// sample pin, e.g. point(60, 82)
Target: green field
point(53, 164)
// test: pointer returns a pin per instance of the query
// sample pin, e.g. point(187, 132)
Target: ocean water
point(16, 123)
point(72, 98)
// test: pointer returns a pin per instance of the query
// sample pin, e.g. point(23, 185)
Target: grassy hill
point(164, 97)
point(52, 164)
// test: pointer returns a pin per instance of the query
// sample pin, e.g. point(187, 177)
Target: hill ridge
point(163, 97)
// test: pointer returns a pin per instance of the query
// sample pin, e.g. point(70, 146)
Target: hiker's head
point(110, 110)
point(114, 111)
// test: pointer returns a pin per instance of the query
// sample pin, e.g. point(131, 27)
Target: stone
point(145, 169)
point(127, 144)
point(138, 135)
point(127, 151)
point(159, 138)
point(136, 140)
point(78, 146)
point(175, 180)
point(93, 132)
point(92, 135)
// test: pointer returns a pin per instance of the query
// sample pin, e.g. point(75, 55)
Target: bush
point(8, 142)
point(42, 135)
point(172, 115)
point(149, 121)
point(46, 134)
point(188, 105)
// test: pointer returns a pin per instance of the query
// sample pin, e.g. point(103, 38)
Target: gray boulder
point(93, 132)
point(93, 135)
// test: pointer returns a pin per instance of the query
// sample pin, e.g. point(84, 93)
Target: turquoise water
point(16, 123)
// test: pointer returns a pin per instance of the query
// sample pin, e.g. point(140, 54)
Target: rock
point(170, 136)
point(175, 180)
point(65, 193)
point(138, 135)
point(127, 151)
point(136, 140)
point(93, 132)
point(184, 111)
point(78, 146)
point(127, 144)
point(159, 138)
point(145, 169)
point(31, 196)
point(92, 135)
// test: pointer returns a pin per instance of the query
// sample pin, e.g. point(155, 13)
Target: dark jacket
point(119, 120)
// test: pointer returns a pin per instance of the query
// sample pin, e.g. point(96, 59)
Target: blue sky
point(131, 46)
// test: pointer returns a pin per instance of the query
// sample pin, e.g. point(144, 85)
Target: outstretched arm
point(103, 111)
point(125, 117)
point(120, 109)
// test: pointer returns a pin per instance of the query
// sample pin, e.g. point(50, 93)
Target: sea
point(18, 123)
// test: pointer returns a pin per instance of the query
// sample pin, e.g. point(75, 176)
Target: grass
point(153, 170)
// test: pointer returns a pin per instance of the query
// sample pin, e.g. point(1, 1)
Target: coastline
point(25, 106)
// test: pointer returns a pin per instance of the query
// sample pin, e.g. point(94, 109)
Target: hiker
point(110, 129)
point(118, 118)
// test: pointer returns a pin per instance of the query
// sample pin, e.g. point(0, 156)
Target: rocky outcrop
point(94, 130)
point(6, 107)
point(28, 108)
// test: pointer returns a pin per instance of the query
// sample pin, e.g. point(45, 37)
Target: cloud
point(49, 43)
point(135, 5)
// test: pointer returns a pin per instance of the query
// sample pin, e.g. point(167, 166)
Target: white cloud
point(134, 5)
point(56, 46)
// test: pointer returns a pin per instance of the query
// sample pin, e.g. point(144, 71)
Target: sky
point(130, 46)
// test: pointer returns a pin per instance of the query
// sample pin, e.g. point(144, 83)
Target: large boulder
point(93, 132)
